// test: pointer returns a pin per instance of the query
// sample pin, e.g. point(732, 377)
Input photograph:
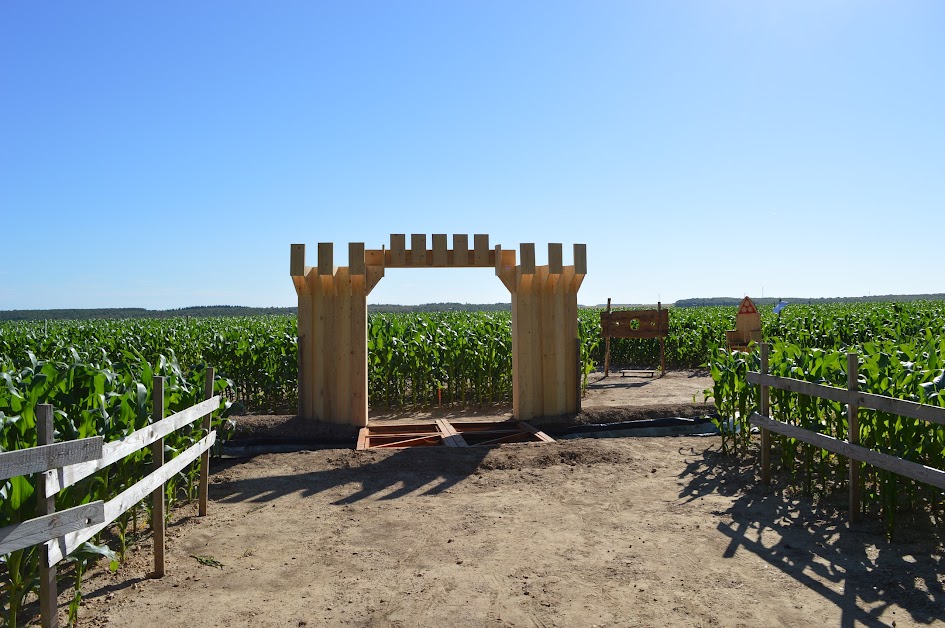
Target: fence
point(64, 464)
point(854, 399)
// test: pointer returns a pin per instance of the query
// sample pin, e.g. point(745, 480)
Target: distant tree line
point(224, 310)
point(733, 301)
point(239, 310)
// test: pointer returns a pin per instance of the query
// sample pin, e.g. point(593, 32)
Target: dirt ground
point(584, 532)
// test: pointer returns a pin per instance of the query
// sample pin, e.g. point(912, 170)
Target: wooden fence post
point(205, 457)
point(765, 411)
point(662, 332)
point(853, 435)
point(157, 496)
point(46, 505)
point(607, 348)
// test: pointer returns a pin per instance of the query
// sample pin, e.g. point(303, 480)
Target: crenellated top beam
point(372, 262)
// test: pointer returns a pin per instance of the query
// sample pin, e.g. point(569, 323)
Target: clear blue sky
point(167, 154)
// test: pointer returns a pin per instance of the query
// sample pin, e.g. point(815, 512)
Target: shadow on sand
point(426, 471)
point(852, 566)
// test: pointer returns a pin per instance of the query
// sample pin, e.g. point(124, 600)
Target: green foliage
point(901, 352)
point(92, 396)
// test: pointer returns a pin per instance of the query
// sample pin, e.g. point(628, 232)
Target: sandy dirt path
point(608, 532)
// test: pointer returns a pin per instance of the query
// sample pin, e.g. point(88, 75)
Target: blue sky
point(163, 155)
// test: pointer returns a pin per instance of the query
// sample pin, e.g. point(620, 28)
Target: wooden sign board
point(652, 324)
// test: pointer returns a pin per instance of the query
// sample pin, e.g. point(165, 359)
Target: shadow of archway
point(383, 475)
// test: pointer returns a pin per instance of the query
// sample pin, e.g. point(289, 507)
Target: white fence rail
point(850, 448)
point(64, 464)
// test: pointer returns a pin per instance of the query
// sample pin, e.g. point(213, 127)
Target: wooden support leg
point(46, 505)
point(157, 497)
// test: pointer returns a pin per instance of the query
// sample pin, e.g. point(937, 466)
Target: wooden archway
point(332, 321)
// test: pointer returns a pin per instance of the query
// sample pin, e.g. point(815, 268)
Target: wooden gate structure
point(332, 321)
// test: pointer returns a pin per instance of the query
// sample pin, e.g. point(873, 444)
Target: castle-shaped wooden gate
point(332, 321)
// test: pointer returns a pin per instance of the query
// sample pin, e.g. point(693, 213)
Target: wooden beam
point(45, 457)
point(356, 258)
point(440, 257)
point(451, 437)
point(765, 411)
point(481, 257)
point(398, 249)
point(114, 508)
point(297, 260)
point(418, 249)
point(46, 505)
point(555, 258)
point(853, 435)
point(326, 259)
point(890, 405)
point(907, 468)
point(580, 259)
point(527, 251)
point(41, 529)
point(157, 461)
point(460, 249)
point(204, 488)
point(116, 450)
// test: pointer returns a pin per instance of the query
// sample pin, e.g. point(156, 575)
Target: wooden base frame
point(332, 321)
point(449, 434)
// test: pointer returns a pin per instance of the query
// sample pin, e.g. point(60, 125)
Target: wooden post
point(46, 505)
point(157, 496)
point(853, 436)
point(607, 347)
point(662, 335)
point(205, 456)
point(765, 410)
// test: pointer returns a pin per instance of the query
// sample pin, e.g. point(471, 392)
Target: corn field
point(901, 354)
point(97, 374)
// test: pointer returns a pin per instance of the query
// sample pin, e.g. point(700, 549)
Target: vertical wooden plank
point(662, 332)
point(321, 304)
point(570, 330)
point(853, 437)
point(304, 349)
point(359, 355)
point(460, 249)
point(580, 259)
point(297, 260)
point(356, 258)
point(398, 252)
point(529, 364)
point(765, 411)
point(326, 259)
point(440, 257)
point(418, 249)
point(607, 346)
point(548, 380)
point(555, 258)
point(46, 505)
point(481, 243)
point(204, 496)
point(342, 348)
point(527, 251)
point(157, 497)
point(327, 342)
point(555, 377)
point(516, 356)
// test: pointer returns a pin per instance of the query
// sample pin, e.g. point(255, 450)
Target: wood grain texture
point(116, 450)
point(45, 457)
point(901, 407)
point(919, 472)
point(114, 508)
point(41, 529)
